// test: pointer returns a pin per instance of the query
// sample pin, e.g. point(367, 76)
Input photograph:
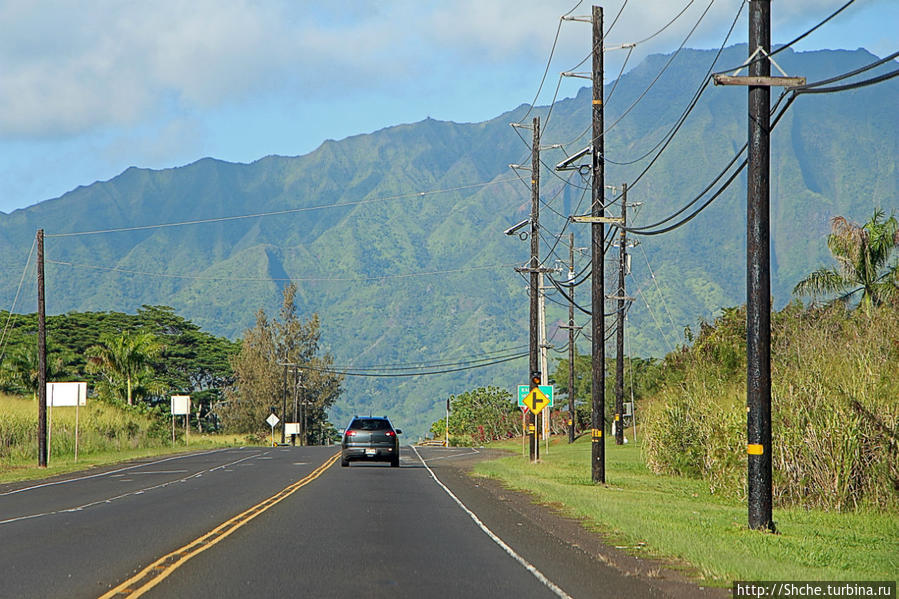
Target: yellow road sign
point(536, 400)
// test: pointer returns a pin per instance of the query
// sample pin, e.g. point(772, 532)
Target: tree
point(125, 360)
point(259, 371)
point(19, 369)
point(862, 254)
point(484, 414)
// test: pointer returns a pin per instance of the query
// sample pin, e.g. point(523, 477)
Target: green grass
point(107, 435)
point(678, 520)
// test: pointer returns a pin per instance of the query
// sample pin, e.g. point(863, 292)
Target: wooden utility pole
point(758, 276)
point(296, 400)
point(571, 352)
point(534, 378)
point(597, 235)
point(42, 449)
point(284, 404)
point(619, 336)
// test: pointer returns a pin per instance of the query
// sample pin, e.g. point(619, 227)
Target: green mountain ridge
point(359, 237)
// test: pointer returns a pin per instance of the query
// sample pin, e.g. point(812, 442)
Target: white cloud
point(68, 69)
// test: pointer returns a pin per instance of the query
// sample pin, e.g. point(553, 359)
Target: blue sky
point(88, 89)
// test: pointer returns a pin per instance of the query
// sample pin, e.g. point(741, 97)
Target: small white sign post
point(291, 429)
point(65, 394)
point(272, 420)
point(181, 407)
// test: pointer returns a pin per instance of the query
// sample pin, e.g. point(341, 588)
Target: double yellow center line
point(156, 572)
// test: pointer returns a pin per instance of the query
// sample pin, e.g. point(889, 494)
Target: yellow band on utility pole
point(597, 101)
point(597, 433)
point(755, 449)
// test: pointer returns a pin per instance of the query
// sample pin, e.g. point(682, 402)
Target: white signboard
point(66, 394)
point(180, 405)
point(272, 420)
point(291, 428)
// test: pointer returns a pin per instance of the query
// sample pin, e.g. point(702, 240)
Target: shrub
point(834, 412)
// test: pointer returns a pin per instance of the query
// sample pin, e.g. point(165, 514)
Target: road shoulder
point(499, 504)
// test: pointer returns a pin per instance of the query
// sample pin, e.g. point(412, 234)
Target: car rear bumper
point(378, 454)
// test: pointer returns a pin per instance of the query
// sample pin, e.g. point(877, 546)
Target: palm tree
point(862, 254)
point(19, 370)
point(125, 358)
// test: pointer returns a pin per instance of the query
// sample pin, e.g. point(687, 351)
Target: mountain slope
point(360, 239)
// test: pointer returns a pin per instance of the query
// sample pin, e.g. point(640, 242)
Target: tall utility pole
point(619, 336)
point(284, 403)
point(296, 389)
point(758, 276)
point(535, 291)
point(571, 352)
point(597, 235)
point(41, 356)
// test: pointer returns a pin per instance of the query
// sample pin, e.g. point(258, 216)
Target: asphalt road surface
point(286, 521)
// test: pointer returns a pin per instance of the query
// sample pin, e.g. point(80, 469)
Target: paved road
point(293, 525)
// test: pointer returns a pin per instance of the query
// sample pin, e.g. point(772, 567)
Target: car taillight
point(391, 434)
point(351, 433)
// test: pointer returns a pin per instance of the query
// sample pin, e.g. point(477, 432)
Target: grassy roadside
point(677, 519)
point(107, 435)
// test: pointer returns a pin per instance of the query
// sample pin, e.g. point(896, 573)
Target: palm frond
point(823, 281)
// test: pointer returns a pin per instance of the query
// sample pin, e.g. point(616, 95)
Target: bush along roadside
point(835, 416)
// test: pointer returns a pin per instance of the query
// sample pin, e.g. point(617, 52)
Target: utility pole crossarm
point(611, 220)
point(787, 82)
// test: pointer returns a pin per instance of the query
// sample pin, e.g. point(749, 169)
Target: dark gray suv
point(370, 438)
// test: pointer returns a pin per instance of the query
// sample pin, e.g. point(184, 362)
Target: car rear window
point(370, 424)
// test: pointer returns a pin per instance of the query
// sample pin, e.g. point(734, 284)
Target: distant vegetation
point(479, 416)
point(138, 359)
point(261, 378)
point(354, 254)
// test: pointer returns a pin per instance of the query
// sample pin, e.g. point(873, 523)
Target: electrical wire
point(12, 310)
point(274, 279)
point(439, 363)
point(704, 84)
point(644, 229)
point(857, 71)
point(790, 43)
point(549, 61)
point(286, 211)
point(845, 87)
point(408, 374)
point(671, 22)
point(664, 68)
point(621, 71)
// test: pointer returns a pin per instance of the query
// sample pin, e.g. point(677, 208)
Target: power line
point(438, 363)
point(846, 87)
point(549, 62)
point(671, 22)
point(9, 318)
point(704, 84)
point(408, 374)
point(661, 72)
point(286, 211)
point(643, 230)
point(275, 279)
point(793, 41)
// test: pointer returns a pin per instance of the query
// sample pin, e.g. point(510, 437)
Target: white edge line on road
point(70, 480)
point(455, 455)
point(518, 558)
